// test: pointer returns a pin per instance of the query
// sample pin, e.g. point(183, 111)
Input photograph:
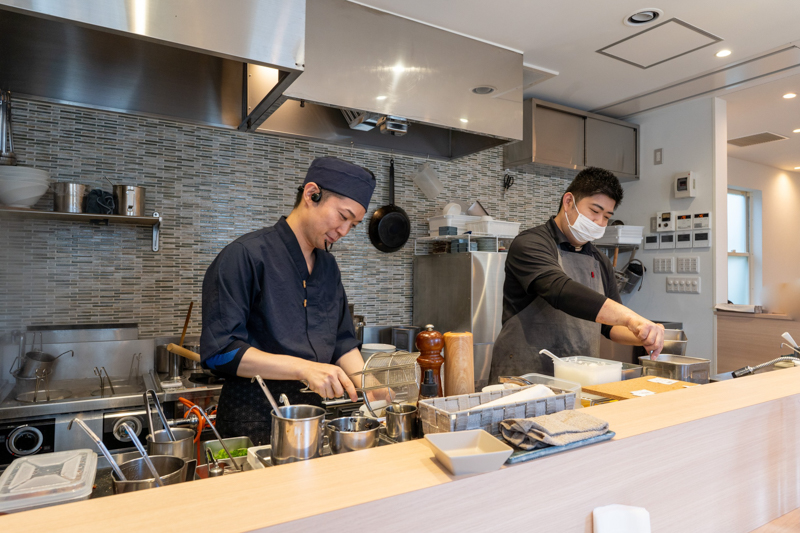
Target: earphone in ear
point(316, 197)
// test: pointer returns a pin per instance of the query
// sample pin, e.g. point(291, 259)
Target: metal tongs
point(216, 433)
point(147, 394)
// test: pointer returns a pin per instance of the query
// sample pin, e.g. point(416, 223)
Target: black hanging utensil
point(389, 227)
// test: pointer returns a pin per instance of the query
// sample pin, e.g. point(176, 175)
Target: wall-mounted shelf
point(468, 236)
point(92, 218)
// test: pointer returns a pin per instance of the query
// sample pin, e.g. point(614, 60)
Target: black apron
point(244, 410)
point(540, 325)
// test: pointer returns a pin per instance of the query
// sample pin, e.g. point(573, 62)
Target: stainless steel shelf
point(92, 218)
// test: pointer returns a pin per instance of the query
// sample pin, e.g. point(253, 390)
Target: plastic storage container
point(557, 385)
point(588, 370)
point(47, 479)
point(459, 221)
point(621, 235)
point(495, 227)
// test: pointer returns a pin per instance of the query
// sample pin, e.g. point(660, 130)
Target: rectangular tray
point(520, 456)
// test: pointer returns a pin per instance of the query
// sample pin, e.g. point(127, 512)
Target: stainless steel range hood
point(239, 65)
point(167, 58)
point(426, 81)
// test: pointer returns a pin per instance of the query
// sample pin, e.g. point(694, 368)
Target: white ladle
point(550, 355)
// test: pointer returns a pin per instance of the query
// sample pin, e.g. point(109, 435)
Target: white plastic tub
point(47, 479)
point(495, 227)
point(458, 221)
point(588, 370)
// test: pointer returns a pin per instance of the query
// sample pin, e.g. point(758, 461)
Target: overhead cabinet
point(570, 138)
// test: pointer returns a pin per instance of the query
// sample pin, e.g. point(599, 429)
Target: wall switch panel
point(701, 238)
point(702, 221)
point(651, 242)
point(667, 241)
point(689, 265)
point(684, 221)
point(663, 265)
point(689, 285)
point(683, 239)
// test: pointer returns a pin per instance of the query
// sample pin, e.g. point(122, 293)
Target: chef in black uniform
point(274, 304)
point(560, 292)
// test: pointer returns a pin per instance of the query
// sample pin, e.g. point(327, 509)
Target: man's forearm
point(615, 314)
point(622, 335)
point(269, 365)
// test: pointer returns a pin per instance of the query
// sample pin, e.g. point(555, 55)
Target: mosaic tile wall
point(211, 186)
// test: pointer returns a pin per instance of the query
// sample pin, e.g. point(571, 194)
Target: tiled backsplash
point(210, 186)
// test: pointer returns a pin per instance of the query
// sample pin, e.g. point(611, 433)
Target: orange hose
point(201, 424)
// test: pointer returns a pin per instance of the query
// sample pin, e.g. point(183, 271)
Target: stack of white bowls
point(367, 350)
point(22, 186)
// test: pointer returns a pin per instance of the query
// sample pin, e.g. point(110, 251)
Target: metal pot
point(158, 443)
point(352, 433)
point(188, 364)
point(68, 197)
point(129, 200)
point(39, 361)
point(297, 433)
point(400, 420)
point(170, 469)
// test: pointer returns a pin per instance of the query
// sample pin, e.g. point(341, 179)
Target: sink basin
point(41, 397)
point(119, 390)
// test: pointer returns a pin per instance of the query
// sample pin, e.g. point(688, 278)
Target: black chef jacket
point(258, 293)
point(532, 271)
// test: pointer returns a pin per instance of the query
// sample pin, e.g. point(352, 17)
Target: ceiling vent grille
point(758, 138)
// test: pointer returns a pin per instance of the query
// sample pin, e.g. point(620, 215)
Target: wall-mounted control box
point(701, 221)
point(651, 242)
point(701, 238)
point(665, 221)
point(663, 265)
point(685, 185)
point(689, 265)
point(684, 221)
point(683, 239)
point(667, 241)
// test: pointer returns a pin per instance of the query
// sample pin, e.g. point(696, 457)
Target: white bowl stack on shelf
point(22, 186)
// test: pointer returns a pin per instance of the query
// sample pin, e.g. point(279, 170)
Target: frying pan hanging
point(389, 227)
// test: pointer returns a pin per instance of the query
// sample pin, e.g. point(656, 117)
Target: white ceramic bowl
point(469, 452)
point(22, 196)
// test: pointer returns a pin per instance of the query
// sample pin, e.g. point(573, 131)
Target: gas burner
point(206, 379)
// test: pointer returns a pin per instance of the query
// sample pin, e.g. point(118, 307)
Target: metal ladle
point(160, 411)
point(100, 445)
point(267, 393)
point(216, 433)
point(145, 457)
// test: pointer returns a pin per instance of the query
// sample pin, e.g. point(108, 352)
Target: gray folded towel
point(558, 429)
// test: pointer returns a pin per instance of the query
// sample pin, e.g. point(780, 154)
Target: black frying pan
point(389, 226)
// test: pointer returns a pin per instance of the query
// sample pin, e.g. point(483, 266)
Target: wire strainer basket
point(392, 375)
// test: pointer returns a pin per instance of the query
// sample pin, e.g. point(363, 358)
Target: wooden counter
point(720, 457)
point(751, 339)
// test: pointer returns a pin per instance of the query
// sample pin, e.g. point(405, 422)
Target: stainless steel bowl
point(351, 433)
point(183, 445)
point(171, 470)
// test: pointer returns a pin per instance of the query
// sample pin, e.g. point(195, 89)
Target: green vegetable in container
point(237, 452)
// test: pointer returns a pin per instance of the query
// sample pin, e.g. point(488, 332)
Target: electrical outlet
point(684, 285)
point(689, 265)
point(663, 265)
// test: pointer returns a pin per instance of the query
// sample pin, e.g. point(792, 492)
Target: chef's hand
point(650, 333)
point(329, 381)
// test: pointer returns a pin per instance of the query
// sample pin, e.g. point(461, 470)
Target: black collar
point(563, 242)
point(290, 240)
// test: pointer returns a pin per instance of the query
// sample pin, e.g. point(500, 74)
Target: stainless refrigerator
point(462, 292)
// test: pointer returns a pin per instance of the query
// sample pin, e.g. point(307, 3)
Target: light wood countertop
point(711, 437)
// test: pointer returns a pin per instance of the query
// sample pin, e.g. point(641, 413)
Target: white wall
point(686, 134)
point(780, 219)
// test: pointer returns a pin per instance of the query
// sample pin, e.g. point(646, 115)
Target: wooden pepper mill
point(430, 343)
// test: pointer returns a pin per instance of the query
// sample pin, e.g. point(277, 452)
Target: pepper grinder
point(430, 343)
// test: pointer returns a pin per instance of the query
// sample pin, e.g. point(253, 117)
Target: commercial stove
point(28, 427)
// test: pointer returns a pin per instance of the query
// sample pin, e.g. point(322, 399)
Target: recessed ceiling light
point(464, 120)
point(380, 98)
point(483, 89)
point(796, 131)
point(723, 53)
point(789, 95)
point(643, 16)
point(797, 168)
point(399, 69)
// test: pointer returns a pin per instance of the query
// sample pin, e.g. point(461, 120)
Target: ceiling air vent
point(758, 138)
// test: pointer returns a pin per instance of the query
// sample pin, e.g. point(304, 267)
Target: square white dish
point(469, 452)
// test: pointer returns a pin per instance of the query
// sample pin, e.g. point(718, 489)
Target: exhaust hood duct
point(363, 65)
point(179, 60)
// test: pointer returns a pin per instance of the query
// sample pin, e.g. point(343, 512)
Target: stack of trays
point(486, 244)
point(462, 245)
point(448, 230)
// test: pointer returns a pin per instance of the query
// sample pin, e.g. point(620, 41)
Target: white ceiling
point(564, 36)
point(763, 108)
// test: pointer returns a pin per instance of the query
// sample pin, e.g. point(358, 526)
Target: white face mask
point(584, 230)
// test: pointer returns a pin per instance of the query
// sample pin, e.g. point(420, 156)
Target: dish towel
point(558, 429)
point(620, 519)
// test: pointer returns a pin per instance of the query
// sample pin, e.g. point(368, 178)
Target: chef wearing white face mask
point(560, 292)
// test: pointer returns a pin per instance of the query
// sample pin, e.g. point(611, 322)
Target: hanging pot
point(389, 227)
